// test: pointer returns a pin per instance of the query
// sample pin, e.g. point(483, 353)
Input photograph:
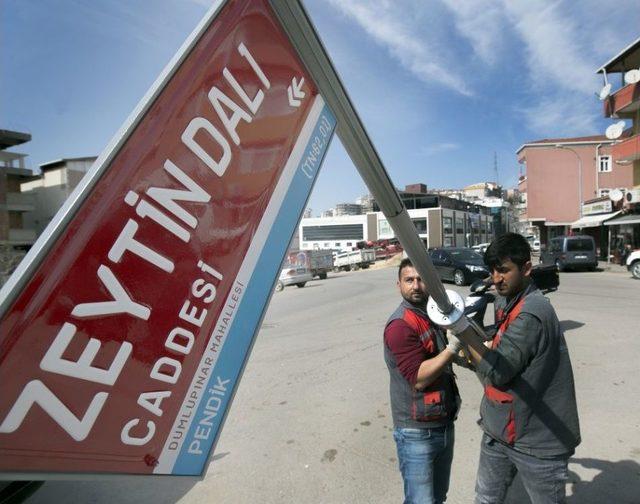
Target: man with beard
point(528, 411)
point(424, 396)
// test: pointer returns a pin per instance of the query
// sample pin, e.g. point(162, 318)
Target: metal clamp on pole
point(455, 320)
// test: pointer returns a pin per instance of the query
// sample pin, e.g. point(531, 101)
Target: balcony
point(624, 102)
point(628, 150)
point(20, 202)
point(22, 236)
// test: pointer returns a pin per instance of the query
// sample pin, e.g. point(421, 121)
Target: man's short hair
point(405, 263)
point(510, 246)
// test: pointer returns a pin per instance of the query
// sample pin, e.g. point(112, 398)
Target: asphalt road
point(311, 419)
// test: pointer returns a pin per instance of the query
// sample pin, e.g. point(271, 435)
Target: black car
point(460, 265)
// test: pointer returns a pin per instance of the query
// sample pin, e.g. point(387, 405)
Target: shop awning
point(549, 224)
point(624, 219)
point(593, 220)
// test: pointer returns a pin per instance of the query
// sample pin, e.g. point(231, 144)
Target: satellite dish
point(605, 91)
point(615, 130)
point(632, 76)
point(616, 195)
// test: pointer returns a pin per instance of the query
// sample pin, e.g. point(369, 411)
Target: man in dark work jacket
point(528, 412)
point(424, 396)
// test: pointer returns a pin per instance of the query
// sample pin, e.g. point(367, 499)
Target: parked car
point(534, 243)
point(571, 252)
point(460, 265)
point(481, 247)
point(633, 263)
point(293, 275)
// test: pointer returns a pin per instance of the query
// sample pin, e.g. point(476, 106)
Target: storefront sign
point(597, 207)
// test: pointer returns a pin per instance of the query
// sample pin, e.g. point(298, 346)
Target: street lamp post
point(560, 146)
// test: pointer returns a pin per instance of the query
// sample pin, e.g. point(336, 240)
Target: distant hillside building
point(347, 209)
point(366, 202)
point(482, 190)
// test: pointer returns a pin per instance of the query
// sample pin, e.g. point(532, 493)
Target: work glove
point(455, 345)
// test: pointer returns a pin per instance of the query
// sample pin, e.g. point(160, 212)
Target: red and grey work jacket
point(502, 396)
point(438, 403)
point(529, 398)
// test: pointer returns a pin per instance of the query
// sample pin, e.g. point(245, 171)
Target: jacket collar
point(518, 297)
point(419, 309)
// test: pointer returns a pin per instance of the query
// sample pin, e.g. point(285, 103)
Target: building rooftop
point(594, 139)
point(627, 59)
point(480, 185)
point(56, 163)
point(10, 138)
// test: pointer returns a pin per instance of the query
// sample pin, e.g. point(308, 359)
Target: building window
point(333, 232)
point(604, 163)
point(447, 224)
point(420, 224)
point(384, 229)
point(337, 244)
point(603, 192)
point(459, 225)
point(349, 244)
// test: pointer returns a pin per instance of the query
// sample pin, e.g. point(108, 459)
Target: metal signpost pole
point(356, 141)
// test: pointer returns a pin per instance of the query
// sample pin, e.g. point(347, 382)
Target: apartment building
point(15, 231)
point(622, 76)
point(52, 188)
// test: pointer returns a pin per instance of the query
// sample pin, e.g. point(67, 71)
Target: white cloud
point(482, 23)
point(560, 46)
point(562, 116)
point(438, 148)
point(203, 3)
point(392, 26)
point(539, 56)
point(555, 51)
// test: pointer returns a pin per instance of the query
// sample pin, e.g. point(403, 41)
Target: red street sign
point(123, 348)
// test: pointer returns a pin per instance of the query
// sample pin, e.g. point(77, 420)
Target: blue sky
point(440, 84)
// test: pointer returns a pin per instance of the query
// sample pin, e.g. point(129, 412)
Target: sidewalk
point(613, 268)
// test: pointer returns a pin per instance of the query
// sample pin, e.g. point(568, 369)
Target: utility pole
point(495, 167)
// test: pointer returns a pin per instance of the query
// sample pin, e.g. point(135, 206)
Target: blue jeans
point(543, 479)
point(425, 457)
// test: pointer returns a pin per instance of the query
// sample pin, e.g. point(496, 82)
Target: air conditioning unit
point(633, 196)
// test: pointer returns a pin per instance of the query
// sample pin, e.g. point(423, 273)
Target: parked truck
point(318, 262)
point(354, 259)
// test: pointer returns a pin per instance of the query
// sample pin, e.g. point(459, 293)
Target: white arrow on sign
point(295, 92)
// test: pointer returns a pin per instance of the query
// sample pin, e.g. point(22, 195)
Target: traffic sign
point(125, 332)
